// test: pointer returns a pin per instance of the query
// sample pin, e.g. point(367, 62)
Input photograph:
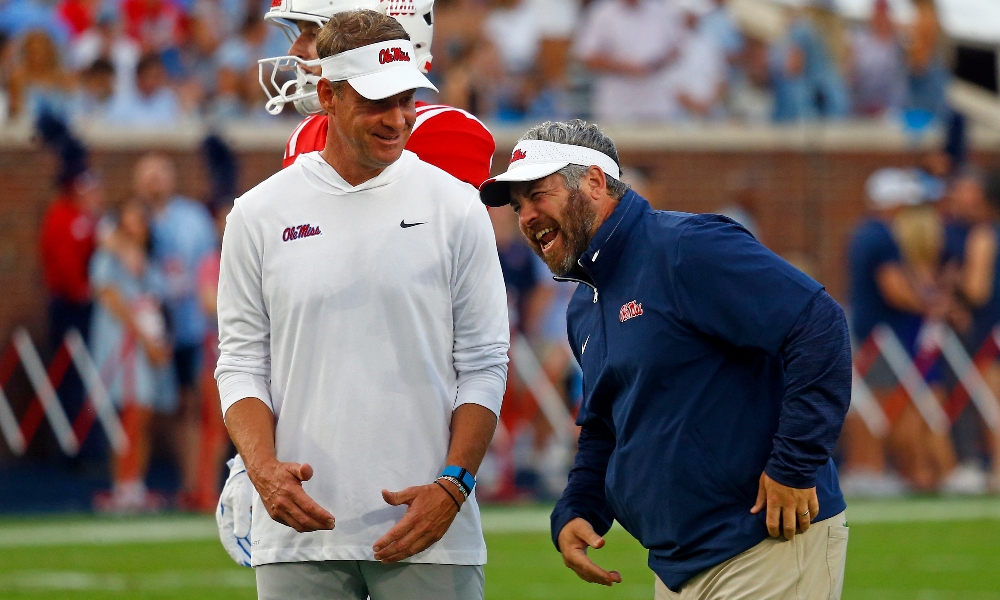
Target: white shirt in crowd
point(643, 34)
point(363, 316)
point(698, 73)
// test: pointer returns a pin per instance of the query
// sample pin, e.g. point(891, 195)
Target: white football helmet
point(416, 16)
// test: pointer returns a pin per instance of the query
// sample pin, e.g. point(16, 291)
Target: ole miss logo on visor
point(299, 231)
point(518, 155)
point(631, 310)
point(391, 55)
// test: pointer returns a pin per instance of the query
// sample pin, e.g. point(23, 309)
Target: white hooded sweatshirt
point(362, 316)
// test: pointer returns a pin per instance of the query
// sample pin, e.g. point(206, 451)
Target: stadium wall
point(809, 183)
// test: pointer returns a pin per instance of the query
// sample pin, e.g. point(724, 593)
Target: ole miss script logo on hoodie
point(629, 311)
point(299, 231)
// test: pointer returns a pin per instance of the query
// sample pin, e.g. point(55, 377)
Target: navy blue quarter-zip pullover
point(707, 360)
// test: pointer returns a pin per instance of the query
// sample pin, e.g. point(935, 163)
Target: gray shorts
point(361, 579)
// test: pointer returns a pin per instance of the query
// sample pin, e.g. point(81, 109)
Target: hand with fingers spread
point(574, 539)
point(789, 510)
point(280, 487)
point(429, 514)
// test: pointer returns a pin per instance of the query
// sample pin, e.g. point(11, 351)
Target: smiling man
point(363, 336)
point(716, 378)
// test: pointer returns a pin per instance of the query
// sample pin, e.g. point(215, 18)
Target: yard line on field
point(496, 520)
point(929, 509)
point(118, 582)
point(161, 529)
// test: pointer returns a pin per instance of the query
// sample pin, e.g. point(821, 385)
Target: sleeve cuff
point(484, 387)
point(788, 478)
point(234, 386)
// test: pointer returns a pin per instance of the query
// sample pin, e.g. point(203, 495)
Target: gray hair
point(578, 133)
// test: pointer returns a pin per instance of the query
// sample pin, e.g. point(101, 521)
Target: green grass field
point(918, 549)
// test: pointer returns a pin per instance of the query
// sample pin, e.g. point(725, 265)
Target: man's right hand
point(280, 487)
point(574, 539)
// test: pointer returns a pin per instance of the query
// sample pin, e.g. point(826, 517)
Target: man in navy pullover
point(716, 381)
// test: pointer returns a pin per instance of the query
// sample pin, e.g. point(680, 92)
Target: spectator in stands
point(182, 236)
point(159, 27)
point(926, 58)
point(153, 104)
point(718, 23)
point(751, 97)
point(78, 15)
point(698, 77)
point(878, 73)
point(39, 82)
point(808, 84)
point(19, 17)
point(130, 348)
point(92, 101)
point(557, 20)
point(628, 45)
point(106, 40)
point(514, 30)
point(238, 91)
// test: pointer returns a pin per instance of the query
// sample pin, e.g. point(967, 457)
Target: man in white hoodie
point(363, 336)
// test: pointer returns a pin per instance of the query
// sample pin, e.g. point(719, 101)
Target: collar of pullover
point(326, 178)
point(606, 246)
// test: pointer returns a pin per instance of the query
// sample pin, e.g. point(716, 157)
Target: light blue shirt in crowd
point(183, 234)
point(128, 374)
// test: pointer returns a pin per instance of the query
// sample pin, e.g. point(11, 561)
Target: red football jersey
point(449, 138)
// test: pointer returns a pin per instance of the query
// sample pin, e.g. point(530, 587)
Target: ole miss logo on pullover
point(300, 231)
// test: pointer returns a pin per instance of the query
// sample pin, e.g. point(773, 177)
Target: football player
point(444, 136)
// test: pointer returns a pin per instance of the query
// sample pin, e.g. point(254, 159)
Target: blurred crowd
point(138, 278)
point(924, 266)
point(154, 63)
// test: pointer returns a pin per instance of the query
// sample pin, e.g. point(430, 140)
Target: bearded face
point(560, 238)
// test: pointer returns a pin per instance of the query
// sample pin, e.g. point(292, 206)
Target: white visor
point(377, 71)
point(536, 159)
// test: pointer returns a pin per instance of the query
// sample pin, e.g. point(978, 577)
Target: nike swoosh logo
point(585, 345)
point(404, 224)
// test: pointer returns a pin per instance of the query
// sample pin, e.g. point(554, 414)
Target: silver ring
point(805, 514)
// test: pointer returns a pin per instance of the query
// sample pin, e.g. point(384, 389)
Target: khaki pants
point(810, 566)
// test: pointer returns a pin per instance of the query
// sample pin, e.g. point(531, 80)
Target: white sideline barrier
point(46, 393)
point(9, 427)
point(529, 369)
point(910, 378)
point(971, 379)
point(43, 387)
point(97, 391)
point(864, 404)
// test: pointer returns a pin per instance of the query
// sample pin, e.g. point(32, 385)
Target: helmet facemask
point(416, 17)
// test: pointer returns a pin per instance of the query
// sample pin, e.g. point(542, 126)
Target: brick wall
point(808, 202)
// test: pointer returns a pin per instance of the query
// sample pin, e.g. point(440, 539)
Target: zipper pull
point(595, 295)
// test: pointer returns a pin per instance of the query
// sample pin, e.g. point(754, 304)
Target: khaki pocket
point(836, 557)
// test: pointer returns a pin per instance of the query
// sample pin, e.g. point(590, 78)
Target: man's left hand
point(428, 516)
point(787, 508)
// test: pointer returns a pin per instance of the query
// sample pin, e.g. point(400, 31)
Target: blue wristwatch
point(463, 478)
